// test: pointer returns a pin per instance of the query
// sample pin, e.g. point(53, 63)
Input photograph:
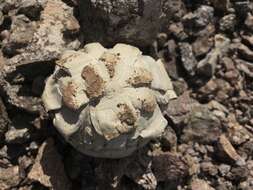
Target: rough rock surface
point(4, 120)
point(9, 177)
point(48, 168)
point(198, 184)
point(56, 19)
point(134, 22)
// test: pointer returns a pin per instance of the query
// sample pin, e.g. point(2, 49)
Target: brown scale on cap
point(95, 84)
point(149, 105)
point(61, 63)
point(68, 95)
point(110, 60)
point(141, 77)
point(126, 115)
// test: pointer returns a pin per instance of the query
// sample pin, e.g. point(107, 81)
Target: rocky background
point(207, 48)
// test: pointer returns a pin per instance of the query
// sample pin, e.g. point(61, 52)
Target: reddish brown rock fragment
point(9, 177)
point(226, 150)
point(198, 184)
point(168, 166)
point(48, 168)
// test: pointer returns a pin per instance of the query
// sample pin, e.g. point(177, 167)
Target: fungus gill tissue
point(108, 102)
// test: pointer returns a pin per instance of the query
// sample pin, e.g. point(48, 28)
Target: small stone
point(180, 86)
point(9, 177)
point(31, 8)
point(202, 127)
point(209, 168)
point(48, 168)
point(228, 63)
point(227, 23)
point(2, 62)
point(224, 185)
point(244, 185)
point(224, 169)
point(188, 59)
point(249, 22)
point(17, 136)
point(4, 120)
point(226, 150)
point(209, 88)
point(193, 163)
point(169, 139)
point(206, 66)
point(20, 35)
point(242, 8)
point(52, 24)
point(1, 18)
point(198, 184)
point(27, 187)
point(245, 67)
point(222, 6)
point(179, 109)
point(175, 9)
point(247, 148)
point(198, 20)
point(245, 52)
point(238, 174)
point(177, 30)
point(231, 76)
point(110, 171)
point(200, 148)
point(139, 170)
point(33, 146)
point(12, 152)
point(161, 40)
point(202, 46)
point(24, 163)
point(224, 90)
point(217, 89)
point(168, 166)
point(247, 39)
point(170, 60)
point(214, 105)
point(237, 133)
point(3, 152)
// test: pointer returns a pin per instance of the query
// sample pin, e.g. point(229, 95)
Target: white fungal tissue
point(108, 102)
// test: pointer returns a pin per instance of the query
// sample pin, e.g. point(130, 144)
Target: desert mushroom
point(108, 102)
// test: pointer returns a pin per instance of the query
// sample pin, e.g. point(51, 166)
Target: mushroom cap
point(107, 102)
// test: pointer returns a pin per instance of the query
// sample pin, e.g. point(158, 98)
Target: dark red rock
point(168, 166)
